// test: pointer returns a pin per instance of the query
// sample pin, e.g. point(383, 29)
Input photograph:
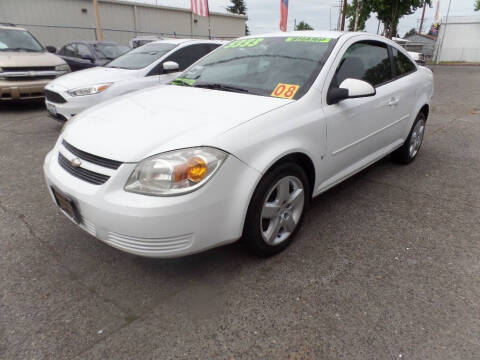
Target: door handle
point(393, 101)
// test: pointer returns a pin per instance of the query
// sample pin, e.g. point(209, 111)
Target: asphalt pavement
point(386, 266)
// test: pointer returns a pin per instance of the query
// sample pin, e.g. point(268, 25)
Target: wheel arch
point(425, 110)
point(301, 159)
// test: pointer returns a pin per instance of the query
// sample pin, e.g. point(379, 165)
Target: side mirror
point(51, 49)
point(170, 66)
point(88, 57)
point(350, 89)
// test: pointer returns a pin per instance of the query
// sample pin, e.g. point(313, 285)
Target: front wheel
point(276, 210)
point(410, 148)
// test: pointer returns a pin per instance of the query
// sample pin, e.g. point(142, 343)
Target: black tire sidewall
point(402, 155)
point(252, 235)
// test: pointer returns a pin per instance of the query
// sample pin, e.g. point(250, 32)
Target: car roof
point(93, 42)
point(11, 27)
point(323, 34)
point(192, 41)
point(309, 33)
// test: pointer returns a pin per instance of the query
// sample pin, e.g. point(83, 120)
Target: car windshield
point(272, 66)
point(18, 40)
point(142, 56)
point(110, 51)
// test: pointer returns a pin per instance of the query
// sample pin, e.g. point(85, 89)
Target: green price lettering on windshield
point(244, 43)
point(307, 39)
point(183, 81)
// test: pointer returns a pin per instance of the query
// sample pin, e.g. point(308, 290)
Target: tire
point(275, 216)
point(411, 147)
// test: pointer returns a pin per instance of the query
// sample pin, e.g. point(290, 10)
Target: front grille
point(29, 78)
point(54, 97)
point(30, 68)
point(94, 159)
point(59, 117)
point(81, 173)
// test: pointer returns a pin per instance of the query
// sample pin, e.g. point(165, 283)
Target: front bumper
point(22, 90)
point(158, 226)
point(72, 105)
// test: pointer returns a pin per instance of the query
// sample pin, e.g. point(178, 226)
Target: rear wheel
point(276, 210)
point(410, 148)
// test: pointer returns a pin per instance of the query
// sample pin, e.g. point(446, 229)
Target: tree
point(410, 32)
point(390, 11)
point(302, 25)
point(238, 7)
point(477, 5)
point(364, 11)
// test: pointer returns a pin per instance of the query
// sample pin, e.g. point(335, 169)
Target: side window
point(368, 61)
point(402, 64)
point(68, 50)
point(83, 50)
point(212, 47)
point(187, 55)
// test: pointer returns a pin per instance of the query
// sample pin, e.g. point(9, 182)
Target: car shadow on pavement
point(22, 106)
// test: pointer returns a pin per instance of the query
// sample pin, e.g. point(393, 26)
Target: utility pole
point(340, 5)
point(423, 16)
point(344, 13)
point(97, 21)
point(444, 32)
point(378, 28)
point(330, 28)
point(357, 14)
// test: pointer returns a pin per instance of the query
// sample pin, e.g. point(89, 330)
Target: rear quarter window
point(402, 65)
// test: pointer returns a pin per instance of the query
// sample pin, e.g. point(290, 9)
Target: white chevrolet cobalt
point(149, 65)
point(239, 143)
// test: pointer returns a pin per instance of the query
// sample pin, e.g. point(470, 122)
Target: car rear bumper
point(22, 90)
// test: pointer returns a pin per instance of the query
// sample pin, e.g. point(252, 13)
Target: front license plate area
point(51, 109)
point(67, 205)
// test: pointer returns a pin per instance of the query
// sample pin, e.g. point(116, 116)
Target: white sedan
point(146, 66)
point(239, 144)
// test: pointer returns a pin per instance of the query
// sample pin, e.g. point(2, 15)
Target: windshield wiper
point(20, 49)
point(223, 87)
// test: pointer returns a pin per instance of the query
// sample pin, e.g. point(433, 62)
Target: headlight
point(63, 69)
point(90, 90)
point(175, 172)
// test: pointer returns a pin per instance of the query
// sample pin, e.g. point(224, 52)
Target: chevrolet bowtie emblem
point(76, 162)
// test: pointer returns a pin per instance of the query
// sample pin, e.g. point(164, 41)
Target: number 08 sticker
point(286, 91)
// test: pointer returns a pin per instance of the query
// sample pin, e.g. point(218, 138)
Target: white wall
point(56, 22)
point(461, 40)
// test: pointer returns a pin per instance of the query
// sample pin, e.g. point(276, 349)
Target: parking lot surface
point(386, 266)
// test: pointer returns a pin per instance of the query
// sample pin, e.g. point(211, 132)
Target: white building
point(56, 22)
point(459, 39)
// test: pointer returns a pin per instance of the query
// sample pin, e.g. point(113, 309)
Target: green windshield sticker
point(307, 39)
point(244, 43)
point(183, 81)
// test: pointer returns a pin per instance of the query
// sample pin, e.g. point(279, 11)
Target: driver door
point(356, 127)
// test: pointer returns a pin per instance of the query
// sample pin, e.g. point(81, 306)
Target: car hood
point(92, 76)
point(135, 126)
point(27, 59)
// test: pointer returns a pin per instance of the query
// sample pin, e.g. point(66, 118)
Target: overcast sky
point(264, 15)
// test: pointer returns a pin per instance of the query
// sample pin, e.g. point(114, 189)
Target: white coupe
point(238, 144)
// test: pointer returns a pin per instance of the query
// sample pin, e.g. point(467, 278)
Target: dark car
point(86, 54)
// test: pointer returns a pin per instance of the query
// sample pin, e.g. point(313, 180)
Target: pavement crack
point(126, 312)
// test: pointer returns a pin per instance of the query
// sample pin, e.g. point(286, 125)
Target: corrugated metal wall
point(461, 40)
point(56, 22)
